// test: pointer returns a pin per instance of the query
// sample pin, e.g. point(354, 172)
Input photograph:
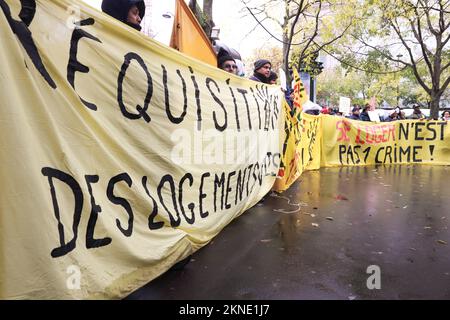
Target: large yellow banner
point(312, 142)
point(301, 146)
point(349, 142)
point(119, 156)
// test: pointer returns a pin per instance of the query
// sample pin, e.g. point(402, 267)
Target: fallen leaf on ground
point(315, 225)
point(441, 242)
point(329, 218)
point(265, 240)
point(341, 197)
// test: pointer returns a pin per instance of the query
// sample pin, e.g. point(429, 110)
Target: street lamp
point(398, 80)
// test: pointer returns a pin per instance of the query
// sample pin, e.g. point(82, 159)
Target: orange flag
point(188, 36)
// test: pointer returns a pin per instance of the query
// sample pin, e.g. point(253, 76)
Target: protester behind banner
point(130, 12)
point(348, 142)
point(261, 71)
point(226, 62)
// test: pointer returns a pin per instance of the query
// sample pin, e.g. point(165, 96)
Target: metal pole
point(398, 80)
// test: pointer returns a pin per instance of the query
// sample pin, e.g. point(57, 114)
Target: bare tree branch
point(315, 33)
point(418, 35)
point(290, 37)
point(413, 63)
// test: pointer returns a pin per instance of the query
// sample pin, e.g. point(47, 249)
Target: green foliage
point(360, 87)
point(308, 64)
point(386, 28)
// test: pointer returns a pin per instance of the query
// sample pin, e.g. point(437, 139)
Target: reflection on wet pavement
point(316, 241)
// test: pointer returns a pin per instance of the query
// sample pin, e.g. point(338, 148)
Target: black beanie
point(260, 63)
point(222, 60)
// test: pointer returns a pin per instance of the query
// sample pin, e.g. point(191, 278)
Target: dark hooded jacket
point(259, 77)
point(119, 9)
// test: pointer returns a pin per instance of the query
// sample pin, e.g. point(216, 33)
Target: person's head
point(130, 12)
point(133, 16)
point(446, 115)
point(417, 109)
point(313, 112)
point(355, 110)
point(394, 113)
point(262, 67)
point(325, 110)
point(227, 63)
point(273, 77)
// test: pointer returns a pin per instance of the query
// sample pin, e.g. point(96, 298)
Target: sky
point(228, 15)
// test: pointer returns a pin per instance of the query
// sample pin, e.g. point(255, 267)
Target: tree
point(273, 54)
point(305, 25)
point(204, 17)
point(207, 12)
point(334, 83)
point(361, 86)
point(412, 34)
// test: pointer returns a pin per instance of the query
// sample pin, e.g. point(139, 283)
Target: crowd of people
point(262, 69)
point(362, 114)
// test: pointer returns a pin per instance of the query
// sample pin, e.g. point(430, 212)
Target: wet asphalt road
point(316, 241)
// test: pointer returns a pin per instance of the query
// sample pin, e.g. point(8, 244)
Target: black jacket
point(259, 77)
point(119, 9)
point(364, 116)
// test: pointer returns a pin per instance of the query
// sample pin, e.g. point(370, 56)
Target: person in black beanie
point(261, 71)
point(130, 12)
